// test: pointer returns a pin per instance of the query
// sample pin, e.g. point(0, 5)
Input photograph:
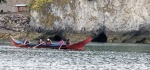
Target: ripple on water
point(46, 59)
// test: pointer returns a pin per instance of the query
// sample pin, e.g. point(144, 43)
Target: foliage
point(61, 2)
point(39, 4)
point(29, 6)
point(48, 20)
point(43, 7)
point(2, 1)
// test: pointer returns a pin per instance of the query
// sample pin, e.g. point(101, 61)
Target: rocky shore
point(13, 23)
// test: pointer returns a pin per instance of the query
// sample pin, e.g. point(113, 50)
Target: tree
point(2, 1)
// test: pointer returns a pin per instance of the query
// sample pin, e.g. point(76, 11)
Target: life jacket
point(61, 42)
point(40, 42)
point(48, 42)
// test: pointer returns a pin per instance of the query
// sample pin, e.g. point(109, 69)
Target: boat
point(76, 46)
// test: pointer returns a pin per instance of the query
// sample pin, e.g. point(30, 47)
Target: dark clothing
point(27, 42)
point(67, 42)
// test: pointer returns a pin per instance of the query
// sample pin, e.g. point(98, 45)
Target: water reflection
point(119, 47)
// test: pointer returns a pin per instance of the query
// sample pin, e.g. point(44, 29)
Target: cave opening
point(57, 38)
point(102, 38)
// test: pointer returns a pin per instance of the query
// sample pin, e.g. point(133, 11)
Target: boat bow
point(80, 45)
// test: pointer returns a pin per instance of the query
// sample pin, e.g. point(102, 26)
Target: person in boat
point(40, 41)
point(48, 42)
point(61, 42)
point(68, 42)
point(26, 41)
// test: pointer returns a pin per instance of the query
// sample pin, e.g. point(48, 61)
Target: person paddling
point(39, 43)
point(48, 42)
point(61, 43)
point(68, 42)
point(26, 41)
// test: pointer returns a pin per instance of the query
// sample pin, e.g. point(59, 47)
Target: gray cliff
point(107, 20)
point(117, 20)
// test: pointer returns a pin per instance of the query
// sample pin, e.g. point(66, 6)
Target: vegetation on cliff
point(39, 5)
point(43, 7)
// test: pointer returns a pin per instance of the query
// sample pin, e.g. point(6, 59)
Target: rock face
point(118, 20)
point(13, 23)
point(116, 15)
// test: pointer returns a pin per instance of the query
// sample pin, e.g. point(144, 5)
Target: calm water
point(97, 56)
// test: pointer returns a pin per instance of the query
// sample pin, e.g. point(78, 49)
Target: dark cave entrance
point(57, 38)
point(100, 38)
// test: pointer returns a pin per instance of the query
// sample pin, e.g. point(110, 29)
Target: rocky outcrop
point(14, 22)
point(118, 20)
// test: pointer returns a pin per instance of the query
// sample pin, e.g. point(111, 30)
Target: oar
point(60, 46)
point(38, 45)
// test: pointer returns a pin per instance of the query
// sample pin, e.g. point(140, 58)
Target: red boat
point(75, 46)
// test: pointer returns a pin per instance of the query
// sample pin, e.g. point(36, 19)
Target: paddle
point(60, 46)
point(37, 45)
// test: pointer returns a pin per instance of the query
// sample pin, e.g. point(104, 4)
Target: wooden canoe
point(75, 46)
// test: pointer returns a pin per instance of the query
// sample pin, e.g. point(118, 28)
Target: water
point(104, 56)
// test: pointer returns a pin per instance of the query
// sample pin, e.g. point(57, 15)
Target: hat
point(48, 39)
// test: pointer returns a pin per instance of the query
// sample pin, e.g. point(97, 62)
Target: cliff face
point(116, 15)
point(118, 20)
point(112, 20)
